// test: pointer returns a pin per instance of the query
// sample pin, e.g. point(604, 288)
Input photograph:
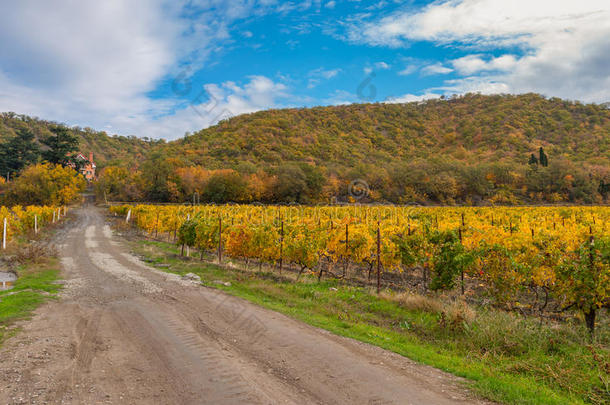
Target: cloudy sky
point(160, 68)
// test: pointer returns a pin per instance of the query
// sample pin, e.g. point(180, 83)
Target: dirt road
point(123, 333)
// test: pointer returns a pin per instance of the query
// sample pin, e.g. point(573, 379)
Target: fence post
point(128, 216)
point(54, 213)
point(346, 250)
point(378, 258)
point(281, 245)
point(4, 235)
point(36, 224)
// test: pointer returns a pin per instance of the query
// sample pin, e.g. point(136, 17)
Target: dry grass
point(34, 253)
point(453, 315)
point(414, 302)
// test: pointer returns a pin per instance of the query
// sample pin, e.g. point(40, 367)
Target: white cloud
point(470, 64)
point(408, 70)
point(96, 63)
point(340, 97)
point(317, 75)
point(409, 98)
point(331, 4)
point(382, 66)
point(435, 69)
point(474, 84)
point(329, 74)
point(564, 45)
point(216, 103)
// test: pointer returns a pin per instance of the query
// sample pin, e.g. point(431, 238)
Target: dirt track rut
point(123, 333)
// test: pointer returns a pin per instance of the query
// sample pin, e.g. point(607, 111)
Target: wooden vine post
point(346, 250)
point(219, 239)
point(281, 245)
point(157, 225)
point(590, 314)
point(462, 275)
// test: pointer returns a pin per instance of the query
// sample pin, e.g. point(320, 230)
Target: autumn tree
point(45, 184)
point(119, 184)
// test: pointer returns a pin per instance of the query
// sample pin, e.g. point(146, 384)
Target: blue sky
point(160, 68)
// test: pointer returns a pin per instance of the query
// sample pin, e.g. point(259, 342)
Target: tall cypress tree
point(544, 160)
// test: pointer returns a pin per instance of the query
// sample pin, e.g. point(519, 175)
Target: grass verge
point(507, 358)
point(35, 285)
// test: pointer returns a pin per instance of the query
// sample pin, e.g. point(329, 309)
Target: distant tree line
point(422, 181)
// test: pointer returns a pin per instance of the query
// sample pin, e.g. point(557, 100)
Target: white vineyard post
point(54, 213)
point(4, 235)
point(128, 216)
point(65, 210)
point(36, 224)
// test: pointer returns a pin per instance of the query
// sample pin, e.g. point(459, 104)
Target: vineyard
point(18, 220)
point(541, 261)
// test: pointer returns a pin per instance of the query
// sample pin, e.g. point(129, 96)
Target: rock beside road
point(192, 277)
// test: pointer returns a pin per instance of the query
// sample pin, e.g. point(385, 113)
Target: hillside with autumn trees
point(471, 149)
point(107, 149)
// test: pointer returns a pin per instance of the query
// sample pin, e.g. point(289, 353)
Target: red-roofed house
point(88, 167)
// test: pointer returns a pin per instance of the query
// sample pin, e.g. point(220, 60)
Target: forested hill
point(503, 149)
point(470, 129)
point(106, 149)
point(469, 149)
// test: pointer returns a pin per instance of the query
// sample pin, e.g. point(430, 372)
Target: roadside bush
point(45, 184)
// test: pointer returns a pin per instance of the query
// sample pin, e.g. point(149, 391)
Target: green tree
point(533, 160)
point(156, 171)
point(291, 185)
point(544, 160)
point(224, 186)
point(18, 152)
point(61, 146)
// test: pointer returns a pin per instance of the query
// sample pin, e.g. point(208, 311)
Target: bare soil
point(124, 333)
